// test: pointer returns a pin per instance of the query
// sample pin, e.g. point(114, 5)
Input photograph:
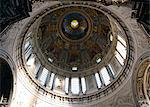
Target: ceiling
point(74, 46)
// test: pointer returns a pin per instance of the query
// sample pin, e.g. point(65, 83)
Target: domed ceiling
point(74, 37)
point(74, 50)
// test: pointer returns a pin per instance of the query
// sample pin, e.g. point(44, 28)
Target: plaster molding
point(9, 60)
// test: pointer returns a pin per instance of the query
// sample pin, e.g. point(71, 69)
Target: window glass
point(98, 80)
point(43, 76)
point(75, 85)
point(50, 60)
point(30, 60)
point(28, 53)
point(119, 58)
point(66, 85)
point(105, 75)
point(27, 45)
point(37, 67)
point(121, 49)
point(98, 60)
point(27, 49)
point(83, 83)
point(111, 37)
point(51, 80)
point(111, 69)
point(74, 68)
point(122, 40)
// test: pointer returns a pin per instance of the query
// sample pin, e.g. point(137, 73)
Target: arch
point(8, 79)
point(140, 79)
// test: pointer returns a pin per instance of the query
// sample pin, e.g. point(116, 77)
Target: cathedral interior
point(75, 53)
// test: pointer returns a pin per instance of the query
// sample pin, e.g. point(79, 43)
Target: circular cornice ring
point(86, 37)
point(83, 72)
point(100, 93)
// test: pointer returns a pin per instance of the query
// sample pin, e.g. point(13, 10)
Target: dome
point(76, 51)
point(70, 37)
point(74, 46)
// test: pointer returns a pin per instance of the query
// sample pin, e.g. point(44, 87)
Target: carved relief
point(142, 83)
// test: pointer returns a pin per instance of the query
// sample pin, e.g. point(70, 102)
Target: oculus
point(74, 26)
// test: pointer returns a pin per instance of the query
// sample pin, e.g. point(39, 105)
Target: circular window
point(74, 26)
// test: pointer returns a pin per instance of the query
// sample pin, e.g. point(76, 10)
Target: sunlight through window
point(98, 80)
point(122, 40)
point(66, 85)
point(43, 76)
point(30, 60)
point(111, 69)
point(75, 85)
point(121, 49)
point(105, 75)
point(119, 58)
point(83, 83)
point(51, 80)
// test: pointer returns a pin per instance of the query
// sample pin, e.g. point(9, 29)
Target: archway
point(6, 85)
point(141, 80)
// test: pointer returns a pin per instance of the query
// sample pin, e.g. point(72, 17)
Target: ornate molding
point(10, 61)
point(87, 98)
point(140, 80)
